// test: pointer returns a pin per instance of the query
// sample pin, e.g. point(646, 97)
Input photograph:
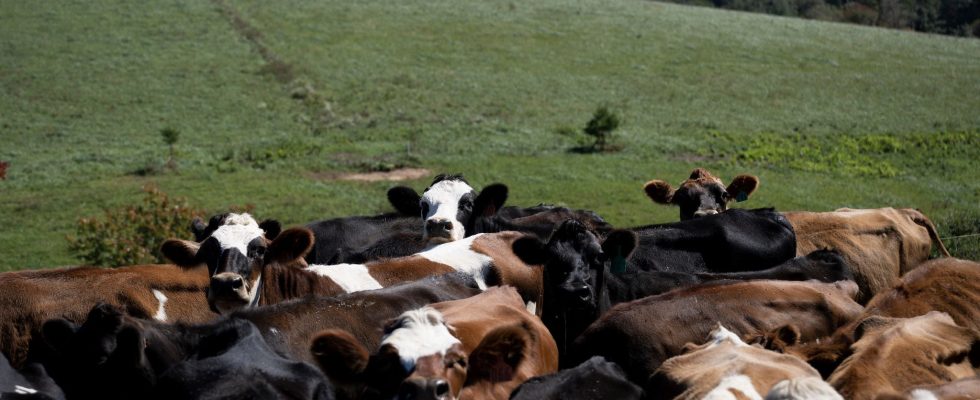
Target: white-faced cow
point(278, 272)
point(112, 355)
point(702, 193)
point(481, 347)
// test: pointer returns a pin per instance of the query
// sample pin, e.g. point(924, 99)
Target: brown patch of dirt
point(401, 174)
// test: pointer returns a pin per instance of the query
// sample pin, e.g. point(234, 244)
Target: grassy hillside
point(271, 97)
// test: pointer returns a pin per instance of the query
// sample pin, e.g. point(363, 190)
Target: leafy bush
point(132, 234)
point(601, 127)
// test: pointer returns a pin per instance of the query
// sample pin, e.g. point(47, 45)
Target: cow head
point(87, 360)
point(419, 358)
point(235, 253)
point(574, 262)
point(702, 193)
point(449, 206)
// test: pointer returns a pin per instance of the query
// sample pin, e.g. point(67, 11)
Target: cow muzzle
point(228, 291)
point(424, 389)
point(439, 229)
point(704, 212)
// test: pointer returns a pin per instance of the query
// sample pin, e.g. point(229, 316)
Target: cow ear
point(183, 253)
point(291, 244)
point(490, 200)
point(57, 333)
point(530, 250)
point(339, 354)
point(271, 227)
point(498, 355)
point(129, 347)
point(405, 200)
point(871, 324)
point(659, 191)
point(199, 228)
point(742, 187)
point(787, 334)
point(619, 243)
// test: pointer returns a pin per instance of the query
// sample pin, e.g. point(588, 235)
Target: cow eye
point(257, 251)
point(425, 209)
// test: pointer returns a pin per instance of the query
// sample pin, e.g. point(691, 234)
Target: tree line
point(947, 17)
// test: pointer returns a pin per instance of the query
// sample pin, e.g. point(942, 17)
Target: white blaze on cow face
point(235, 281)
point(808, 388)
point(350, 277)
point(460, 256)
point(442, 204)
point(238, 231)
point(161, 314)
point(419, 333)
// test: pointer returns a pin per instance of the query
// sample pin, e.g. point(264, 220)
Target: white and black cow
point(449, 207)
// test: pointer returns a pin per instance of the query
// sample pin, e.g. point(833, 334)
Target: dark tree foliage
point(948, 17)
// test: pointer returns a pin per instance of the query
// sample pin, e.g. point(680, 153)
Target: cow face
point(419, 358)
point(234, 253)
point(702, 193)
point(574, 261)
point(450, 205)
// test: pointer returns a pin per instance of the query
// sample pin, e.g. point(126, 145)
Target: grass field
point(270, 97)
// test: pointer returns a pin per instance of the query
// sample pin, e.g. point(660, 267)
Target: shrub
point(601, 127)
point(132, 234)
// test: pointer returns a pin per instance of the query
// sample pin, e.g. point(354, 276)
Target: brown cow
point(879, 244)
point(702, 193)
point(481, 347)
point(162, 292)
point(281, 273)
point(642, 334)
point(726, 364)
point(895, 354)
point(947, 285)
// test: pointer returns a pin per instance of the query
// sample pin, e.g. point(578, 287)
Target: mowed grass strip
point(474, 87)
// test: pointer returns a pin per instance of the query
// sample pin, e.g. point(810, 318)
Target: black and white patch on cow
point(234, 254)
point(449, 206)
point(417, 334)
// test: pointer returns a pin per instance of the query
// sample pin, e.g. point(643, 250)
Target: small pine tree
point(170, 137)
point(601, 126)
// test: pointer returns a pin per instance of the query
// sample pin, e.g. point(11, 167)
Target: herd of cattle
point(455, 296)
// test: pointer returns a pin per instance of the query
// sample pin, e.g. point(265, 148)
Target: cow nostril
point(237, 283)
point(441, 388)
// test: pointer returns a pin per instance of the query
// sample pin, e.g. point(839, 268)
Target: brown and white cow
point(642, 334)
point(947, 285)
point(279, 272)
point(727, 367)
point(481, 347)
point(895, 354)
point(879, 244)
point(161, 292)
point(701, 193)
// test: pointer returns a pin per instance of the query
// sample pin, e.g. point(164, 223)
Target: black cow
point(736, 240)
point(594, 379)
point(578, 287)
point(112, 355)
point(31, 382)
point(235, 362)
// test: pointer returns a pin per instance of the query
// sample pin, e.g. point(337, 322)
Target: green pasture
point(272, 99)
